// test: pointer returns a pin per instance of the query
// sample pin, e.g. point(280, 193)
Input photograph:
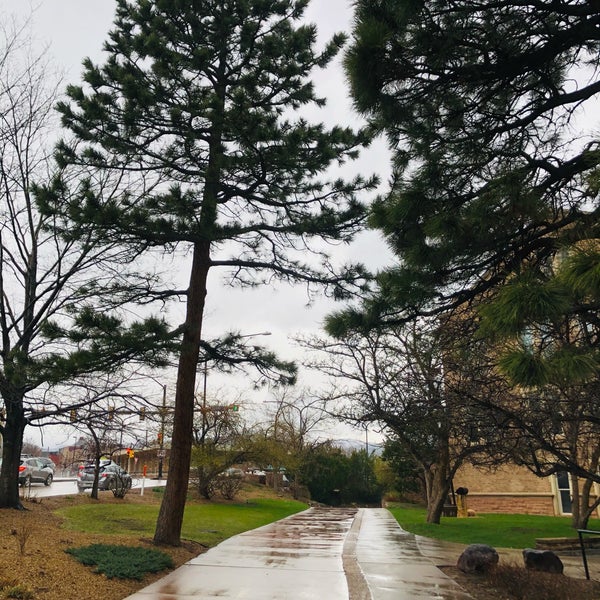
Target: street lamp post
point(275, 466)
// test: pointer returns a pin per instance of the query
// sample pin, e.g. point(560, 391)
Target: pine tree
point(482, 106)
point(200, 103)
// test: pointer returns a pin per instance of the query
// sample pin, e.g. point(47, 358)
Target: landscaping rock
point(542, 560)
point(477, 558)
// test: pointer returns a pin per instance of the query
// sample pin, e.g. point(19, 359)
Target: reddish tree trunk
point(170, 516)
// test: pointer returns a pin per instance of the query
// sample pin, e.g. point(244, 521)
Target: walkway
point(338, 554)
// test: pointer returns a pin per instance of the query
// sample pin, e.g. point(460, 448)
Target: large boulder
point(542, 560)
point(477, 558)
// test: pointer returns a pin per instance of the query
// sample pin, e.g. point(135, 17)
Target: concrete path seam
point(358, 588)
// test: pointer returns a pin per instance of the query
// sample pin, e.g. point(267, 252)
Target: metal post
point(583, 554)
point(162, 432)
point(204, 403)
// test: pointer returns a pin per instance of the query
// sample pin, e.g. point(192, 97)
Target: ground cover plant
point(123, 562)
point(498, 530)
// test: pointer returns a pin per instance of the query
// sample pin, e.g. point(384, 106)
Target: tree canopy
point(488, 108)
point(428, 386)
point(493, 206)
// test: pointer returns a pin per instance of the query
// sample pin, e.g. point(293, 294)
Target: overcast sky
point(75, 29)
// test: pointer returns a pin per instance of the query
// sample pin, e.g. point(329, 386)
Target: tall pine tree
point(201, 101)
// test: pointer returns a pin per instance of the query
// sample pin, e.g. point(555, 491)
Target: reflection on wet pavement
point(393, 566)
point(304, 557)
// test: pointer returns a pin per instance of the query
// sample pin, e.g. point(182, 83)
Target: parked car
point(111, 476)
point(33, 470)
point(232, 472)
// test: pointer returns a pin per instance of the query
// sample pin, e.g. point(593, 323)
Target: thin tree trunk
point(589, 500)
point(97, 453)
point(439, 484)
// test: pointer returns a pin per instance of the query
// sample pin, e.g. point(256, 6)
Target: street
point(66, 487)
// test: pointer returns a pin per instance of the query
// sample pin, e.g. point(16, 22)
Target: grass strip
point(498, 530)
point(207, 524)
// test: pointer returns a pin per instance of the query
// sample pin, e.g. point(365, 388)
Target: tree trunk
point(583, 506)
point(205, 482)
point(97, 453)
point(576, 504)
point(14, 428)
point(438, 481)
point(589, 500)
point(170, 516)
point(439, 487)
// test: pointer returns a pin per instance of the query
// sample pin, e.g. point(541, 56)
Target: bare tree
point(221, 440)
point(52, 327)
point(407, 381)
point(295, 418)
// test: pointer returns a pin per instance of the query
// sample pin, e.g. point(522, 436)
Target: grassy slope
point(207, 524)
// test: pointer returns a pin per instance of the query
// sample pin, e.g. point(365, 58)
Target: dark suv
point(111, 476)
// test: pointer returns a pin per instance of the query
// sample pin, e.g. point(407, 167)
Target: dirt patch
point(520, 584)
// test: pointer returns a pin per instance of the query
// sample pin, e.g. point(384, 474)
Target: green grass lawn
point(501, 531)
point(207, 524)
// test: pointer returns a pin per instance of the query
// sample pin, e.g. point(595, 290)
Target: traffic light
point(73, 415)
point(235, 407)
point(111, 413)
point(159, 437)
point(130, 453)
point(142, 413)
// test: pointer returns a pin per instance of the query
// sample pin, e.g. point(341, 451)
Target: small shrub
point(18, 592)
point(120, 487)
point(518, 583)
point(22, 534)
point(229, 486)
point(122, 562)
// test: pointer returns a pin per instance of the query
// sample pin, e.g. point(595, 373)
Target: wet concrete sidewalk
point(338, 554)
point(393, 565)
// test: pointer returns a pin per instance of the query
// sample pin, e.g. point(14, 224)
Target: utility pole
point(161, 441)
point(204, 404)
